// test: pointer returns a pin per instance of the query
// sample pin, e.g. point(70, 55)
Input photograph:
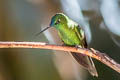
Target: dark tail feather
point(86, 62)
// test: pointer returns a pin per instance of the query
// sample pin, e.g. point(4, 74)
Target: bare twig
point(89, 52)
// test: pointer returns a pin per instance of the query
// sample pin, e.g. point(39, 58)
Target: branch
point(102, 57)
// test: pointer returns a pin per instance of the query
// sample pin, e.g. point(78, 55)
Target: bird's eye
point(58, 21)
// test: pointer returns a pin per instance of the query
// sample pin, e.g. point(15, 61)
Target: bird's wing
point(85, 61)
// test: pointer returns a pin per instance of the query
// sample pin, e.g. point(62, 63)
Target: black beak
point(43, 30)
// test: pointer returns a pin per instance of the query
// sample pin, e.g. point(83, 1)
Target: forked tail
point(86, 62)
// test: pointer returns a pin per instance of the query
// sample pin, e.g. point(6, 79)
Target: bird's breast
point(69, 37)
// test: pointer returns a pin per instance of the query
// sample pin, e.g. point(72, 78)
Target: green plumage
point(69, 31)
point(72, 35)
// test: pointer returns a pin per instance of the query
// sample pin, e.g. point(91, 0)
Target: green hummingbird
point(72, 35)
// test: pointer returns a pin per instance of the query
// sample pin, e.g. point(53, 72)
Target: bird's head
point(58, 20)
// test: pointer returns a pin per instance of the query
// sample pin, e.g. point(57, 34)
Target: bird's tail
point(86, 62)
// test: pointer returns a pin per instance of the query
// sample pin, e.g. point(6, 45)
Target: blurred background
point(20, 20)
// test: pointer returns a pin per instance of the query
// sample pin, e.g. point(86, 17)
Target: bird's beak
point(43, 30)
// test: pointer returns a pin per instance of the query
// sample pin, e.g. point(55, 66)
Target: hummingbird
point(72, 35)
